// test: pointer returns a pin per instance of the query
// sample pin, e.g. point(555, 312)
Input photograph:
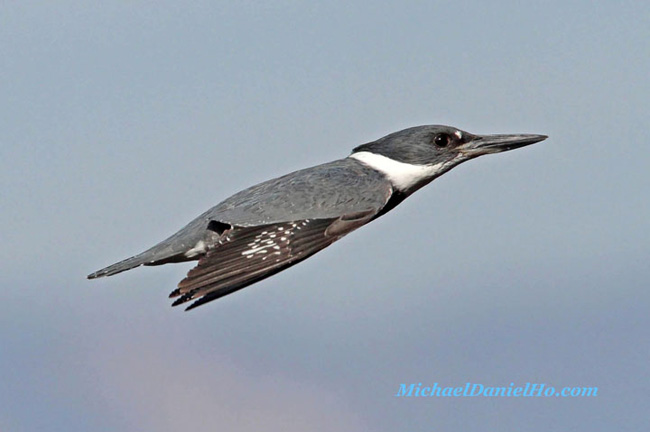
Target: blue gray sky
point(121, 122)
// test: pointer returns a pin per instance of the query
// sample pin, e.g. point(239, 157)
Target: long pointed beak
point(484, 144)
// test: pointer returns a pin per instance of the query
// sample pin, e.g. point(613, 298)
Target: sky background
point(121, 122)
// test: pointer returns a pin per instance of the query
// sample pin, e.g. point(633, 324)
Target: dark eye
point(442, 140)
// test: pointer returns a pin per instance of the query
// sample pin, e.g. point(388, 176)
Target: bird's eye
point(442, 140)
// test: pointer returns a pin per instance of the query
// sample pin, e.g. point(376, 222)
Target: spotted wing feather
point(246, 255)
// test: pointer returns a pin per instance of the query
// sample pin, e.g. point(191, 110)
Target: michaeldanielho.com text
point(480, 390)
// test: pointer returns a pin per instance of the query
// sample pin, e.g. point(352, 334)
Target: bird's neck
point(405, 178)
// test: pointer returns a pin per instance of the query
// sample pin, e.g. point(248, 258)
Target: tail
point(173, 249)
point(165, 252)
point(127, 264)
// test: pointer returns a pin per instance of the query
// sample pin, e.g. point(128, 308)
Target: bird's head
point(413, 157)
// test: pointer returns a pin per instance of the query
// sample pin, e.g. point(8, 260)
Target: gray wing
point(247, 255)
point(327, 191)
point(324, 191)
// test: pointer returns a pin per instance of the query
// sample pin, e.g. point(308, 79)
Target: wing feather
point(247, 255)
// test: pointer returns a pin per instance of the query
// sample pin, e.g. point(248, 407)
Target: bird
point(271, 226)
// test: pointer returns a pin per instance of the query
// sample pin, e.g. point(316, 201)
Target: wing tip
point(201, 301)
point(198, 301)
point(192, 306)
point(178, 302)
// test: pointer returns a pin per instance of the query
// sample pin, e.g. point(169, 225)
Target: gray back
point(324, 191)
